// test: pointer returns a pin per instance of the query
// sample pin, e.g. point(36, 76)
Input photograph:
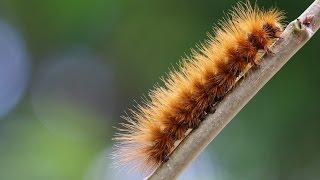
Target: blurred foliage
point(31, 152)
point(274, 137)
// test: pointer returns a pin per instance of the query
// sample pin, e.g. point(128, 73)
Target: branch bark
point(296, 34)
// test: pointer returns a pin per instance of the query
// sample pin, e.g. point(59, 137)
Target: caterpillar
point(155, 128)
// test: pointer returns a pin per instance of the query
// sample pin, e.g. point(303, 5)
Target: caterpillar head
point(273, 30)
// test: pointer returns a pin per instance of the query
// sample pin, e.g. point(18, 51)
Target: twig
point(297, 33)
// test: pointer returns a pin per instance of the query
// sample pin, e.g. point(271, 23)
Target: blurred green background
point(69, 69)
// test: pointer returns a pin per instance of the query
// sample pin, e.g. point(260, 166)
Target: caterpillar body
point(202, 80)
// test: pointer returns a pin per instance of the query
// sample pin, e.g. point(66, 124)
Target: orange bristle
point(149, 136)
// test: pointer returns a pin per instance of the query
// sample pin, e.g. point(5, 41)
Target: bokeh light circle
point(14, 68)
point(73, 95)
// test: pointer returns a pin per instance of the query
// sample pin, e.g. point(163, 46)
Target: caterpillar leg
point(166, 158)
point(269, 51)
point(211, 108)
point(196, 123)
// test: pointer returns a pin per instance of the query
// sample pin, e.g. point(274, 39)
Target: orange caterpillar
point(150, 134)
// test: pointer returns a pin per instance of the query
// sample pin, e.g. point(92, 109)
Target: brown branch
point(297, 33)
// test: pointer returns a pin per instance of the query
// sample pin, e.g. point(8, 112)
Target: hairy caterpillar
point(154, 128)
